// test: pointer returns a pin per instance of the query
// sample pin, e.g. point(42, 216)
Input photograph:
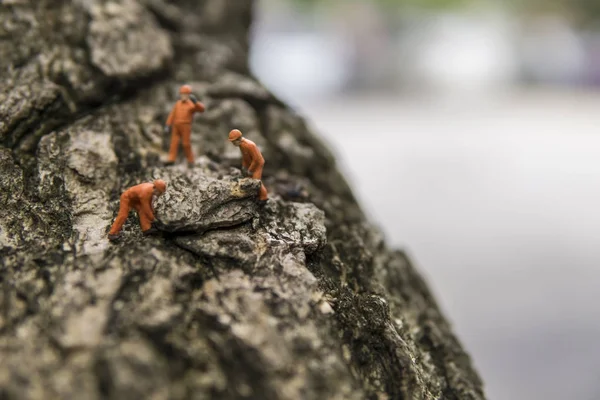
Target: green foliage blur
point(584, 13)
point(391, 4)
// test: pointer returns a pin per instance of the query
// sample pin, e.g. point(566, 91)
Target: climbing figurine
point(179, 124)
point(139, 198)
point(252, 160)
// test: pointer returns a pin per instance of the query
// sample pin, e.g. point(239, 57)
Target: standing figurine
point(252, 160)
point(139, 198)
point(180, 124)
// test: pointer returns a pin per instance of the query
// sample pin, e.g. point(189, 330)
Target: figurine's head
point(184, 92)
point(235, 137)
point(160, 187)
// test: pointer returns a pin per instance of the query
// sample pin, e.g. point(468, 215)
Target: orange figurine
point(180, 124)
point(252, 159)
point(139, 198)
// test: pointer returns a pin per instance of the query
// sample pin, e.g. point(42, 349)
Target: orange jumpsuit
point(140, 199)
point(180, 121)
point(254, 161)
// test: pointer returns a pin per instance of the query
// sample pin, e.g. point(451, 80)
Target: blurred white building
point(464, 52)
point(301, 65)
point(356, 46)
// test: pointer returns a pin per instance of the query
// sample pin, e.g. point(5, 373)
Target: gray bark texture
point(297, 299)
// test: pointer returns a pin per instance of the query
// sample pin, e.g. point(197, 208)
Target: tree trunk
point(299, 299)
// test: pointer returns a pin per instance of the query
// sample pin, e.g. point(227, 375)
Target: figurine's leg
point(121, 216)
point(186, 133)
point(262, 194)
point(145, 221)
point(175, 133)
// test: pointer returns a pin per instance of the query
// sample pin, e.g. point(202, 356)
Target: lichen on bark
point(299, 299)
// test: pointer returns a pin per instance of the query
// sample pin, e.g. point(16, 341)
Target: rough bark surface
point(299, 299)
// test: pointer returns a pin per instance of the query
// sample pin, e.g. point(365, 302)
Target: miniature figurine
point(139, 198)
point(179, 124)
point(252, 160)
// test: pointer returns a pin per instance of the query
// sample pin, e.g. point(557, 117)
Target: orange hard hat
point(185, 89)
point(160, 185)
point(235, 134)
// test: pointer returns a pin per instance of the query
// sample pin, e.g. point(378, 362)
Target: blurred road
point(497, 202)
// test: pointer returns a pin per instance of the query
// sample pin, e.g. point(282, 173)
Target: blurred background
point(480, 124)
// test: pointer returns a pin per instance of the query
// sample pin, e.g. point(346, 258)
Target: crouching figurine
point(139, 198)
point(252, 160)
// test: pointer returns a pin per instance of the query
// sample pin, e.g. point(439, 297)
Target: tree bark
point(299, 299)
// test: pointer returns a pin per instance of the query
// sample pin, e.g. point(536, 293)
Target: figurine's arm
point(198, 107)
point(245, 160)
point(171, 116)
point(252, 166)
point(257, 161)
point(149, 207)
